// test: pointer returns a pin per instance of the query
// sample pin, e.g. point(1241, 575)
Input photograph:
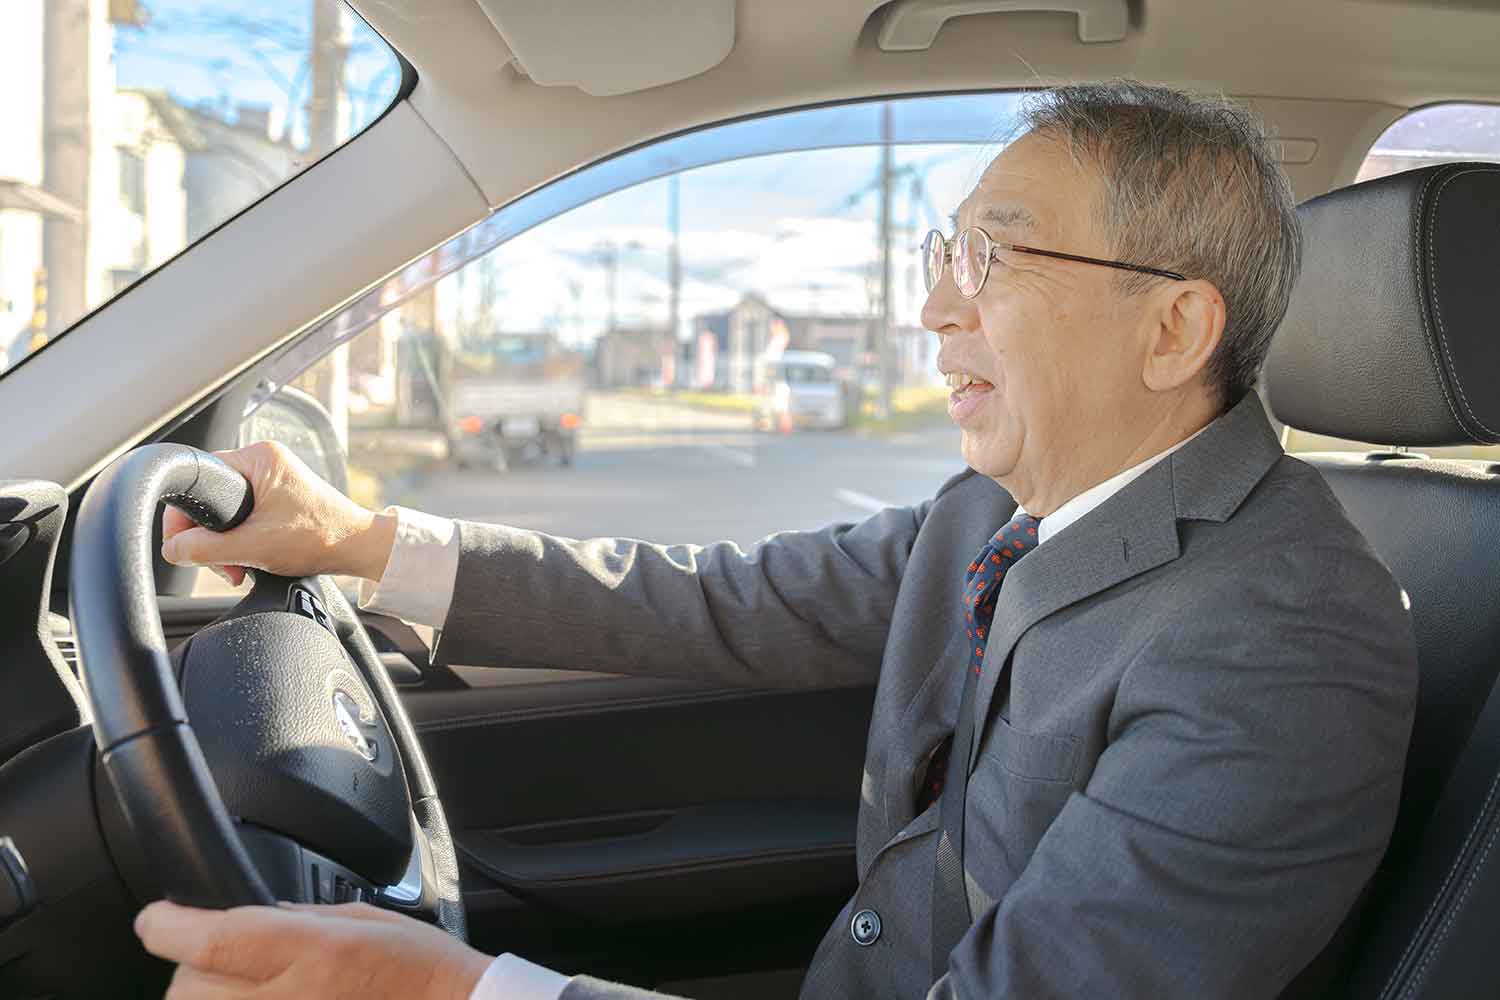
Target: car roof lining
point(1376, 54)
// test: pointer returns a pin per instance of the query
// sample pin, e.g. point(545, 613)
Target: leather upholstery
point(1390, 339)
point(1389, 336)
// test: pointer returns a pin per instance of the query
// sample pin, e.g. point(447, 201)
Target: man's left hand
point(351, 950)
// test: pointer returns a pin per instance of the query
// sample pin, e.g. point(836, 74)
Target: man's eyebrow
point(1018, 218)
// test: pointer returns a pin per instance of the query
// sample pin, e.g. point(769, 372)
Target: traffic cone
point(784, 425)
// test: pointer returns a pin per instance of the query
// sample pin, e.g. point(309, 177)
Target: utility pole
point(67, 147)
point(674, 272)
point(883, 331)
point(332, 34)
point(607, 253)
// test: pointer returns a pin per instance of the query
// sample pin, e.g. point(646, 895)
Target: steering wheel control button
point(17, 893)
point(865, 928)
point(305, 603)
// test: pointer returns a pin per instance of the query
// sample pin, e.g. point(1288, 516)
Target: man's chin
point(982, 459)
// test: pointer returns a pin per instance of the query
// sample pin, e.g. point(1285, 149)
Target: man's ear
point(1189, 322)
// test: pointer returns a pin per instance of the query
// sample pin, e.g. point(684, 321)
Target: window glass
point(1443, 133)
point(130, 129)
point(693, 357)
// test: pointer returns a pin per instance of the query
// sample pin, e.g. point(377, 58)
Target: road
point(648, 468)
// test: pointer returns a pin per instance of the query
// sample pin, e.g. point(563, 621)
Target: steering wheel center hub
point(296, 740)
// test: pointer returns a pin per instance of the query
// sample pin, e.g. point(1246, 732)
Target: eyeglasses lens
point(969, 252)
point(932, 259)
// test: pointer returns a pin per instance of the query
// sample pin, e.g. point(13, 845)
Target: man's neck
point(1088, 466)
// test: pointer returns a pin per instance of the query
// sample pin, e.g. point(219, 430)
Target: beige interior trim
point(610, 47)
point(514, 135)
point(913, 25)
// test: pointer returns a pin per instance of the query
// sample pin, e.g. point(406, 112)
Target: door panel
point(607, 820)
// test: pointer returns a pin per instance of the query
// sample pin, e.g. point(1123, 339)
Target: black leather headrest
point(1393, 332)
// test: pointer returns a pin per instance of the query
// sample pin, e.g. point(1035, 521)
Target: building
point(631, 357)
point(98, 185)
point(725, 346)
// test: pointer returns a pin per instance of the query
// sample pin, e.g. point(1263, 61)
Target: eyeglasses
point(972, 251)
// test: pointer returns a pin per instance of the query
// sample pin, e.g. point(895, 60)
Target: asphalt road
point(647, 468)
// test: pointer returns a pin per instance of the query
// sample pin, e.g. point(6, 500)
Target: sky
point(798, 228)
point(223, 54)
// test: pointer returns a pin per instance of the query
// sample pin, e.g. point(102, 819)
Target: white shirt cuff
point(417, 585)
point(513, 978)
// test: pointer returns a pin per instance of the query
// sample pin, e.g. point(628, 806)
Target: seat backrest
point(1391, 336)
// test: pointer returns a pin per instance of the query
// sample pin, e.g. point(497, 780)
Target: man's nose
point(946, 311)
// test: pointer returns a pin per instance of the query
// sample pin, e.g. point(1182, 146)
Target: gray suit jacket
point(1193, 775)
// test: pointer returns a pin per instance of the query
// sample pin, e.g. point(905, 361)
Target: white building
point(23, 203)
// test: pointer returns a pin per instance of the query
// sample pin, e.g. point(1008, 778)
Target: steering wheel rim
point(142, 729)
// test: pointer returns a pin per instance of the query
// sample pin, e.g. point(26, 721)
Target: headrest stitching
point(1436, 306)
point(1428, 339)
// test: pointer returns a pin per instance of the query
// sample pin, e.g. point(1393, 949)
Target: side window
point(696, 357)
point(1443, 133)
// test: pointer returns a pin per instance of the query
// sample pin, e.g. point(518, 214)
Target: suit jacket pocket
point(1037, 756)
point(1019, 785)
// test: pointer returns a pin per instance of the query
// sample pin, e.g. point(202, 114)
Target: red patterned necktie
point(981, 589)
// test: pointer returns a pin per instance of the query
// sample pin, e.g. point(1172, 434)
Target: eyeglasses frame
point(995, 245)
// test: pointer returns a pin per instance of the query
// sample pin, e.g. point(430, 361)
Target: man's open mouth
point(963, 383)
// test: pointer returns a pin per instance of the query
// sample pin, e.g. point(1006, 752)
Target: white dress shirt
point(418, 586)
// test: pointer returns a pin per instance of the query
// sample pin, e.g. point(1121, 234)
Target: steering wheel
point(269, 756)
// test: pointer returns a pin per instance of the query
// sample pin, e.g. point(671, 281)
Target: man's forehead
point(1031, 187)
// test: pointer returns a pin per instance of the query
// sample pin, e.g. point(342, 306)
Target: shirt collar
point(1090, 498)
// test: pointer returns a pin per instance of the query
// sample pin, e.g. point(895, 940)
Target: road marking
point(734, 456)
point(862, 500)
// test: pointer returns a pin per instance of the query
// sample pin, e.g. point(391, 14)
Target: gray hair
point(1189, 185)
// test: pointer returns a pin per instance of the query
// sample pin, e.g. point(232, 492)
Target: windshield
point(129, 130)
point(795, 374)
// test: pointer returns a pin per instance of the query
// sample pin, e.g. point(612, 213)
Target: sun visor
point(609, 47)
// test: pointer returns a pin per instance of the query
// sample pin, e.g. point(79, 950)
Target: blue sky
point(226, 54)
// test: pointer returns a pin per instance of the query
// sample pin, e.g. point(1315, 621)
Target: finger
point(189, 983)
point(231, 575)
point(174, 522)
point(202, 547)
point(353, 911)
point(250, 942)
point(242, 460)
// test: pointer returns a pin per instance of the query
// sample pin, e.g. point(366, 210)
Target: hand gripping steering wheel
point(269, 756)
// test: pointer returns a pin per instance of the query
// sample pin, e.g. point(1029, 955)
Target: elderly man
point(1144, 692)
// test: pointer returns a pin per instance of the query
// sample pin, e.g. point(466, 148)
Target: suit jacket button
point(865, 927)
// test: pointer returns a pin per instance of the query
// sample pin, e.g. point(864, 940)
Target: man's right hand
point(301, 526)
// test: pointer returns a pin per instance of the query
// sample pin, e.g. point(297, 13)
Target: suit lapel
point(1130, 533)
point(1106, 547)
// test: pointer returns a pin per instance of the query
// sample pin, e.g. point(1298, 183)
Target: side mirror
point(300, 422)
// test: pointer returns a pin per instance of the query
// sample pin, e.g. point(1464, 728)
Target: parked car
point(800, 389)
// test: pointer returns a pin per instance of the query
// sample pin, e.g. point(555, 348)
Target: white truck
point(512, 398)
